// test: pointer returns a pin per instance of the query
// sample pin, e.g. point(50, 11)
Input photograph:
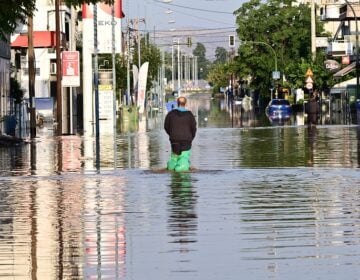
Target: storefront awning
point(345, 70)
point(41, 39)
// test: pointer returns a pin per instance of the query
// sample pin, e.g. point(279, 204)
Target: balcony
point(330, 13)
point(340, 48)
point(346, 12)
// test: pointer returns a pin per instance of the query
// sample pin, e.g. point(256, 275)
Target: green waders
point(179, 163)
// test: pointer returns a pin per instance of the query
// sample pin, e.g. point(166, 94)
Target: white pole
point(313, 31)
point(172, 69)
point(179, 71)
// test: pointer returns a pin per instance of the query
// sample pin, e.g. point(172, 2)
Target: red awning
point(42, 39)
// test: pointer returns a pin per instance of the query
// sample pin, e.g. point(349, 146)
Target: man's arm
point(167, 124)
point(193, 126)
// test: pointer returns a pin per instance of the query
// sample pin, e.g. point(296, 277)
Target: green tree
point(203, 63)
point(282, 28)
point(151, 53)
point(219, 75)
point(220, 55)
point(11, 13)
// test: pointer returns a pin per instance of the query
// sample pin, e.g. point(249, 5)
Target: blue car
point(278, 108)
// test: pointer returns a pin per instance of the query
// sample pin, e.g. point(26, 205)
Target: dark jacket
point(312, 107)
point(181, 128)
point(313, 110)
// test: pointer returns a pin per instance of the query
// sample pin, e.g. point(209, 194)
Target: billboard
point(104, 27)
point(70, 69)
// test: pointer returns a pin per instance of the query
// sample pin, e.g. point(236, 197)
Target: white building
point(4, 81)
point(44, 38)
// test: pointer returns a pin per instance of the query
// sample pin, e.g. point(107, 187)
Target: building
point(44, 38)
point(4, 82)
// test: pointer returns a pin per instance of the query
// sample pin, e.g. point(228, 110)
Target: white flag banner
point(142, 87)
point(135, 71)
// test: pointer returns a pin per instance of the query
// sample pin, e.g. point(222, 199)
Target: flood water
point(264, 200)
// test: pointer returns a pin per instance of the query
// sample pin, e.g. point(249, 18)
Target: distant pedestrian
point(180, 125)
point(312, 110)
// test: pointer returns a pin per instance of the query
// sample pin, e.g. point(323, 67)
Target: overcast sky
point(180, 19)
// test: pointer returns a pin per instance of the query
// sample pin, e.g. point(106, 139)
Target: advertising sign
point(105, 22)
point(276, 75)
point(142, 86)
point(332, 65)
point(70, 69)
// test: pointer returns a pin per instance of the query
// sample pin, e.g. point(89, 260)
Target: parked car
point(278, 108)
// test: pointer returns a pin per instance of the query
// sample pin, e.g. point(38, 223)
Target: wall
point(4, 79)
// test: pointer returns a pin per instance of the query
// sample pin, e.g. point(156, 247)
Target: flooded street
point(264, 200)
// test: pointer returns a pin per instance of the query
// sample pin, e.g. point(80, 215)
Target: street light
point(266, 44)
point(357, 49)
point(272, 49)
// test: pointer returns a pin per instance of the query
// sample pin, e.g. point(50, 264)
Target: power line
point(192, 8)
point(212, 20)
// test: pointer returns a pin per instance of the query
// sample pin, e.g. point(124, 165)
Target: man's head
point(181, 101)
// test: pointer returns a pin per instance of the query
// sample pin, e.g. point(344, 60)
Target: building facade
point(4, 82)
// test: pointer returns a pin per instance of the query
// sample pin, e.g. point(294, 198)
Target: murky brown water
point(262, 202)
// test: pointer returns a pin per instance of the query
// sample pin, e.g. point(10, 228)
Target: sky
point(209, 22)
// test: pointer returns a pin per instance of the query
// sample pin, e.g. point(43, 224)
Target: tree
point(16, 91)
point(149, 52)
point(221, 55)
point(219, 75)
point(203, 63)
point(11, 13)
point(282, 28)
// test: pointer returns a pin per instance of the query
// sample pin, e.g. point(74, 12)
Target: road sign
point(276, 75)
point(70, 69)
point(309, 73)
point(309, 85)
point(309, 80)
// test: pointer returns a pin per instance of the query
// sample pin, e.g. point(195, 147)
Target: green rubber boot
point(171, 164)
point(183, 162)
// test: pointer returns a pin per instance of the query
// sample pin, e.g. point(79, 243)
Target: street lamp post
point(357, 49)
point(266, 44)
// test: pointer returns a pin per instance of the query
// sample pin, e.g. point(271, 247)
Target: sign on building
point(105, 22)
point(70, 69)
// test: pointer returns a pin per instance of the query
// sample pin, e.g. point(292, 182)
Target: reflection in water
point(312, 135)
point(358, 136)
point(104, 229)
point(244, 139)
point(282, 202)
point(182, 222)
point(62, 228)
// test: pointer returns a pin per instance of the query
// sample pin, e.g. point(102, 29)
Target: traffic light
point(189, 42)
point(231, 41)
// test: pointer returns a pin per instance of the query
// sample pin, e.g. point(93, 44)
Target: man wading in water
point(180, 125)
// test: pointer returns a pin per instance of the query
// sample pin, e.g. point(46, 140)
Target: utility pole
point(128, 64)
point(31, 71)
point(136, 23)
point(72, 90)
point(113, 65)
point(357, 63)
point(196, 70)
point(96, 90)
point(58, 70)
point(179, 70)
point(313, 31)
point(172, 68)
